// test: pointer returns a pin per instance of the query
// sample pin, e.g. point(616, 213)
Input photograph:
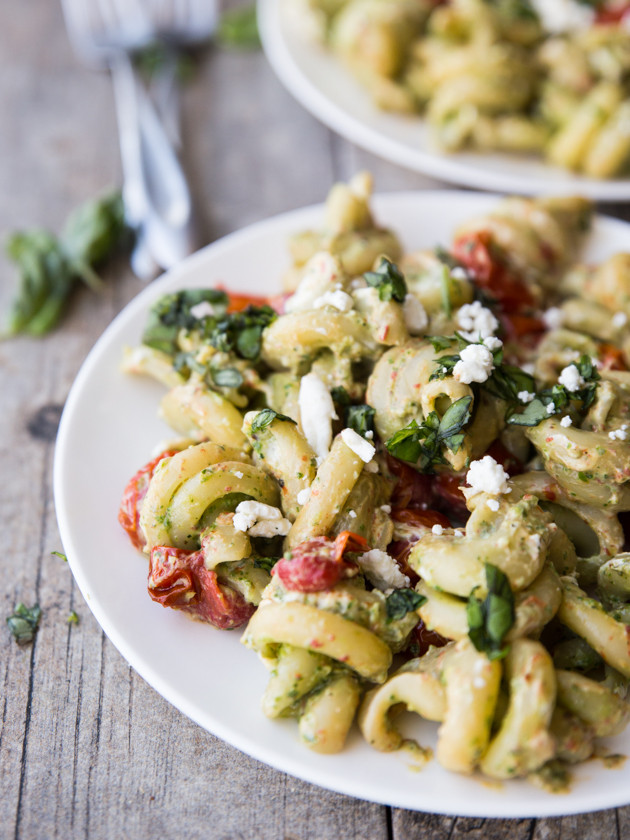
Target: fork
point(156, 195)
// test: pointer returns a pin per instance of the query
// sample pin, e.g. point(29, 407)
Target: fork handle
point(156, 193)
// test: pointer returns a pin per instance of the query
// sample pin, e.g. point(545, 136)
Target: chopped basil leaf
point(340, 396)
point(23, 623)
point(227, 377)
point(266, 417)
point(440, 342)
point(402, 601)
point(361, 419)
point(490, 620)
point(266, 563)
point(389, 281)
point(241, 332)
point(73, 618)
point(171, 313)
point(59, 554)
point(421, 444)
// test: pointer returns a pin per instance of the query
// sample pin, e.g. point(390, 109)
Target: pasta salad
point(406, 478)
point(532, 77)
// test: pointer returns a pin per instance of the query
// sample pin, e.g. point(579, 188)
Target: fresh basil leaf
point(60, 555)
point(389, 281)
point(421, 444)
point(405, 443)
point(340, 396)
point(507, 381)
point(266, 563)
point(490, 620)
point(172, 313)
point(238, 28)
point(440, 342)
point(23, 623)
point(402, 601)
point(241, 332)
point(227, 377)
point(444, 366)
point(73, 618)
point(533, 414)
point(455, 418)
point(265, 418)
point(360, 418)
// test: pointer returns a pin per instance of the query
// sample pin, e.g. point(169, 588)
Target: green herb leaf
point(227, 377)
point(389, 281)
point(73, 618)
point(171, 313)
point(23, 623)
point(241, 332)
point(361, 419)
point(421, 444)
point(238, 28)
point(440, 342)
point(266, 417)
point(340, 396)
point(402, 601)
point(489, 621)
point(59, 554)
point(266, 563)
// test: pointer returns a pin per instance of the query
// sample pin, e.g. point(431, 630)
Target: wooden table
point(87, 749)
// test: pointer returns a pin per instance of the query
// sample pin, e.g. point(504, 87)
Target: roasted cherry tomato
point(449, 497)
point(179, 579)
point(611, 357)
point(477, 252)
point(238, 302)
point(502, 455)
point(421, 519)
point(412, 490)
point(133, 496)
point(423, 639)
point(319, 563)
point(612, 13)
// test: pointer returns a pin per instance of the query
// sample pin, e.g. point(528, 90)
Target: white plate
point(109, 429)
point(321, 84)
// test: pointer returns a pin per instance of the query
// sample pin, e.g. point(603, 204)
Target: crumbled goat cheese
point(551, 408)
point(618, 434)
point(619, 319)
point(358, 283)
point(559, 16)
point(566, 422)
point(525, 396)
point(369, 434)
point(204, 309)
point(238, 474)
point(479, 682)
point(259, 520)
point(382, 570)
point(337, 299)
point(317, 412)
point(415, 315)
point(437, 529)
point(528, 367)
point(493, 505)
point(488, 476)
point(352, 514)
point(475, 322)
point(553, 318)
point(475, 364)
point(303, 496)
point(459, 273)
point(493, 343)
point(386, 508)
point(458, 532)
point(359, 445)
point(571, 379)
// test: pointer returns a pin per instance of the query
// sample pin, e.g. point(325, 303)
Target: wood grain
point(87, 749)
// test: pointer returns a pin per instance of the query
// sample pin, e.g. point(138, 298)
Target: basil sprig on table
point(490, 620)
point(389, 281)
point(51, 266)
point(421, 444)
point(402, 601)
point(23, 623)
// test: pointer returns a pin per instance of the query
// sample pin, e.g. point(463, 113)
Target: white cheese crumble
point(488, 476)
point(475, 322)
point(553, 318)
point(437, 529)
point(303, 496)
point(493, 343)
point(386, 508)
point(317, 412)
point(260, 520)
point(525, 396)
point(382, 570)
point(238, 474)
point(352, 514)
point(558, 16)
point(415, 315)
point(337, 299)
point(204, 309)
point(493, 505)
point(320, 274)
point(571, 379)
point(458, 532)
point(551, 408)
point(475, 364)
point(369, 434)
point(619, 319)
point(359, 445)
point(566, 422)
point(618, 434)
point(528, 367)
point(459, 273)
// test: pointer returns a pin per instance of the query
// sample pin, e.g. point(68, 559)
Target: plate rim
point(446, 168)
point(546, 806)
